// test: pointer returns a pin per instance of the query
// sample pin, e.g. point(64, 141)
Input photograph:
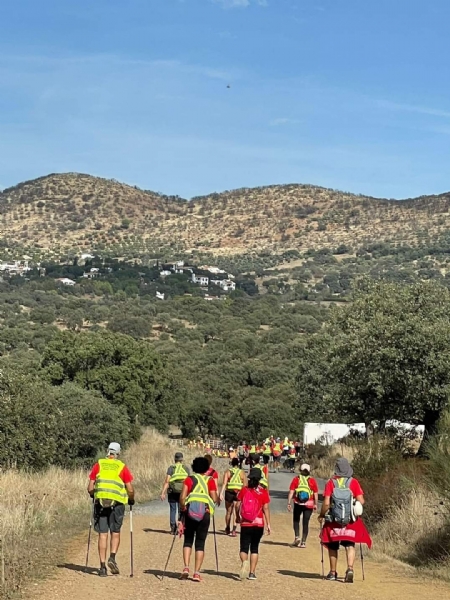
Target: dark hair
point(209, 458)
point(234, 462)
point(253, 483)
point(200, 465)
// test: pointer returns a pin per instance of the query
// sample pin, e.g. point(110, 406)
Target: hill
point(72, 212)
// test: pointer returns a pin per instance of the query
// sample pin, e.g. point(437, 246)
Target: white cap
point(114, 448)
point(305, 467)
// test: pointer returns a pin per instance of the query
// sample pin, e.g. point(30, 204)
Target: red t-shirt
point(311, 482)
point(212, 473)
point(125, 474)
point(212, 487)
point(355, 488)
point(263, 498)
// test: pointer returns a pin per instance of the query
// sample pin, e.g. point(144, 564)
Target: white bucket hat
point(114, 448)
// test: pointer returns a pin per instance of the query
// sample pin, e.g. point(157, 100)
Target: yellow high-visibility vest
point(200, 493)
point(108, 485)
point(235, 482)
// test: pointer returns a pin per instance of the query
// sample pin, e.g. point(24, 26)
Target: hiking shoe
point(233, 533)
point(113, 566)
point(303, 545)
point(196, 577)
point(349, 575)
point(103, 572)
point(185, 574)
point(332, 576)
point(252, 577)
point(296, 542)
point(245, 570)
point(227, 531)
point(174, 529)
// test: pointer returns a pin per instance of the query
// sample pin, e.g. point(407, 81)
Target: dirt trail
point(286, 571)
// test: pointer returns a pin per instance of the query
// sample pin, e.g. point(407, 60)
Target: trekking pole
point(321, 549)
point(362, 562)
point(90, 532)
point(215, 543)
point(131, 543)
point(170, 553)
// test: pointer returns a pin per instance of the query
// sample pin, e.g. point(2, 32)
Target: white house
point(66, 281)
point(225, 284)
point(165, 273)
point(92, 273)
point(213, 270)
point(160, 295)
point(203, 281)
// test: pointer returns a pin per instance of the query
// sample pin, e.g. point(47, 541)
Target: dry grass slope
point(78, 212)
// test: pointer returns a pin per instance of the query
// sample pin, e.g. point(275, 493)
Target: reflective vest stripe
point(179, 473)
point(264, 483)
point(200, 493)
point(235, 482)
point(303, 485)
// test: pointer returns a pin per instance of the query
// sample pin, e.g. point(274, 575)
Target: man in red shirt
point(334, 535)
point(211, 472)
point(110, 486)
point(305, 494)
point(197, 503)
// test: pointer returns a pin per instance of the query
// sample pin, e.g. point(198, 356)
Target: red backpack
point(250, 506)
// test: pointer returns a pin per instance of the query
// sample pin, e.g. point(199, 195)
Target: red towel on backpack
point(353, 532)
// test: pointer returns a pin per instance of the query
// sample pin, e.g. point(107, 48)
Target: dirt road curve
point(283, 571)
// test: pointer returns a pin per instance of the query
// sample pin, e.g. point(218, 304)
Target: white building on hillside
point(200, 279)
point(66, 281)
point(225, 284)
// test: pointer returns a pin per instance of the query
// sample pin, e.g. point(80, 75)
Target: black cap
point(178, 456)
point(255, 474)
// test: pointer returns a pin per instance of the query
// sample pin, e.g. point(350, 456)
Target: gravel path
point(283, 570)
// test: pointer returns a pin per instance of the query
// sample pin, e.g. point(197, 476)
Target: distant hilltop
point(76, 213)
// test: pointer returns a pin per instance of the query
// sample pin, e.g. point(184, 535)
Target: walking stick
point(215, 543)
point(175, 535)
point(362, 562)
point(321, 549)
point(89, 536)
point(131, 543)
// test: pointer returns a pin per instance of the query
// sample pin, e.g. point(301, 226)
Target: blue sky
point(349, 94)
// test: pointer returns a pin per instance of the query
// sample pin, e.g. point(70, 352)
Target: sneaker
point(227, 531)
point(245, 570)
point(103, 572)
point(113, 566)
point(252, 577)
point(303, 545)
point(185, 574)
point(233, 533)
point(174, 529)
point(296, 542)
point(349, 575)
point(332, 576)
point(196, 577)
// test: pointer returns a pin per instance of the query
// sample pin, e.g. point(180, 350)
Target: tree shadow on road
point(79, 568)
point(300, 575)
point(233, 576)
point(158, 573)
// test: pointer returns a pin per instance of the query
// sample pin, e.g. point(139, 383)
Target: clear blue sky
point(350, 94)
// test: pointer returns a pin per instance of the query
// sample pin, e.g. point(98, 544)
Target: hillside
point(74, 212)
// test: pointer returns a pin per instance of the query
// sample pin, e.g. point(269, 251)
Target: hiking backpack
point(250, 506)
point(341, 501)
point(197, 509)
point(303, 491)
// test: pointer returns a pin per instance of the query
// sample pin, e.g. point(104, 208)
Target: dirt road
point(283, 570)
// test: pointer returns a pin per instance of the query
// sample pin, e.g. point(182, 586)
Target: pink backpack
point(250, 506)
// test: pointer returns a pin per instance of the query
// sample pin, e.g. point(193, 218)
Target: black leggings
point(250, 539)
point(299, 509)
point(197, 530)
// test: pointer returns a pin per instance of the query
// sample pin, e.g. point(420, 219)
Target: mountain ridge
point(59, 212)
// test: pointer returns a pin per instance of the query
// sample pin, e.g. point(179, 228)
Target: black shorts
point(108, 518)
point(231, 496)
point(250, 539)
point(266, 458)
point(336, 545)
point(196, 530)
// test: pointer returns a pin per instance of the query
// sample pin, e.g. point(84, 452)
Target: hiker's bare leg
point(102, 546)
point(253, 562)
point(243, 556)
point(350, 556)
point(187, 556)
point(199, 556)
point(333, 554)
point(114, 542)
point(229, 508)
point(236, 514)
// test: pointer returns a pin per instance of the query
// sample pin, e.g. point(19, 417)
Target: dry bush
point(40, 511)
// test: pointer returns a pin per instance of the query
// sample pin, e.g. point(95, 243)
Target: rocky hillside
point(74, 212)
